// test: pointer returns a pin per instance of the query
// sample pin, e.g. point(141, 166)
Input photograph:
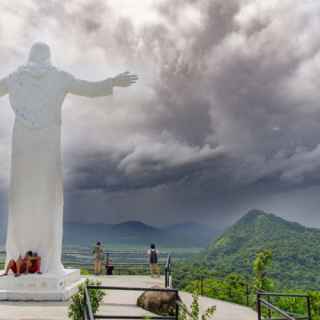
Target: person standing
point(98, 253)
point(153, 254)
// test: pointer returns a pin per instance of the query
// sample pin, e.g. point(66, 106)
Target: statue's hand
point(124, 79)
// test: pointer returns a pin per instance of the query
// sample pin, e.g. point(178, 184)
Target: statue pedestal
point(43, 287)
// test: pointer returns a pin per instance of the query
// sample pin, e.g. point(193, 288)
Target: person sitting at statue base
point(30, 263)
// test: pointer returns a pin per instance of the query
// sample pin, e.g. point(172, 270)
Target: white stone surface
point(44, 287)
point(36, 91)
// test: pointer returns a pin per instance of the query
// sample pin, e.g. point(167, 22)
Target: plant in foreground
point(195, 313)
point(76, 307)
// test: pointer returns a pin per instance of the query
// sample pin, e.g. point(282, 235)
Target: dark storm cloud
point(224, 82)
point(226, 110)
point(145, 171)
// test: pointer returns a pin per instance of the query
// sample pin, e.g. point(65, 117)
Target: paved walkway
point(124, 302)
point(117, 302)
point(224, 310)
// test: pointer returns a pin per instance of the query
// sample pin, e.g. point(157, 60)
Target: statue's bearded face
point(40, 53)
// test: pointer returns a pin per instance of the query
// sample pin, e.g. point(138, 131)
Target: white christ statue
point(36, 93)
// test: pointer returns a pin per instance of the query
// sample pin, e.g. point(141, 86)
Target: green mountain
point(295, 248)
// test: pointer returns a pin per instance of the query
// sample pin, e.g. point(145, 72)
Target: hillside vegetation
point(295, 249)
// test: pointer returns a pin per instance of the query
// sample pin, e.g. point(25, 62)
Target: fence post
point(166, 277)
point(85, 315)
point(167, 271)
point(309, 308)
point(247, 293)
point(269, 310)
point(88, 303)
point(177, 306)
point(258, 306)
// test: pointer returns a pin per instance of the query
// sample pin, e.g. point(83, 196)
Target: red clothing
point(23, 267)
point(35, 266)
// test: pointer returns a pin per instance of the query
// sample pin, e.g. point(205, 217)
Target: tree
point(261, 263)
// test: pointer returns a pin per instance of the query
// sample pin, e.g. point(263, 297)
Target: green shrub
point(85, 272)
point(195, 310)
point(76, 308)
point(315, 304)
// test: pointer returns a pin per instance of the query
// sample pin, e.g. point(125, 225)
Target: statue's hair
point(40, 53)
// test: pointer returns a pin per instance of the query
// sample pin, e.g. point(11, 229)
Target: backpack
point(153, 256)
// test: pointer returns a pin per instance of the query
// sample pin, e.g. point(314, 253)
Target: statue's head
point(40, 53)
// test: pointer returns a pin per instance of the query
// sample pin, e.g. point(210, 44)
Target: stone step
point(44, 287)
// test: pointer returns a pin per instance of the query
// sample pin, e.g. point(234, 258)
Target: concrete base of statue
point(43, 287)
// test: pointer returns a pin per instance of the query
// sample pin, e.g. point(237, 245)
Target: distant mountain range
point(137, 233)
point(295, 249)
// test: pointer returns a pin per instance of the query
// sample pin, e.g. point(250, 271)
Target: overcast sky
point(225, 116)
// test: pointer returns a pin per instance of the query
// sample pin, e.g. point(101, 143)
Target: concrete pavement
point(117, 303)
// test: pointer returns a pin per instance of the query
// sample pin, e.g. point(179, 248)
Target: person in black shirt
point(153, 254)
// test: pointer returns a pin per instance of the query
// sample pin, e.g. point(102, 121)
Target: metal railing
point(265, 307)
point(122, 260)
point(167, 273)
point(264, 300)
point(88, 315)
point(125, 262)
point(130, 262)
point(247, 288)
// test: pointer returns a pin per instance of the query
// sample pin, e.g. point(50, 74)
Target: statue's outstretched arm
point(3, 87)
point(90, 88)
point(100, 88)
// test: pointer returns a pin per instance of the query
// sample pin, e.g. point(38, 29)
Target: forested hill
point(295, 248)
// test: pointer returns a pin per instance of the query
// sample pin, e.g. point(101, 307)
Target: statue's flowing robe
point(35, 219)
